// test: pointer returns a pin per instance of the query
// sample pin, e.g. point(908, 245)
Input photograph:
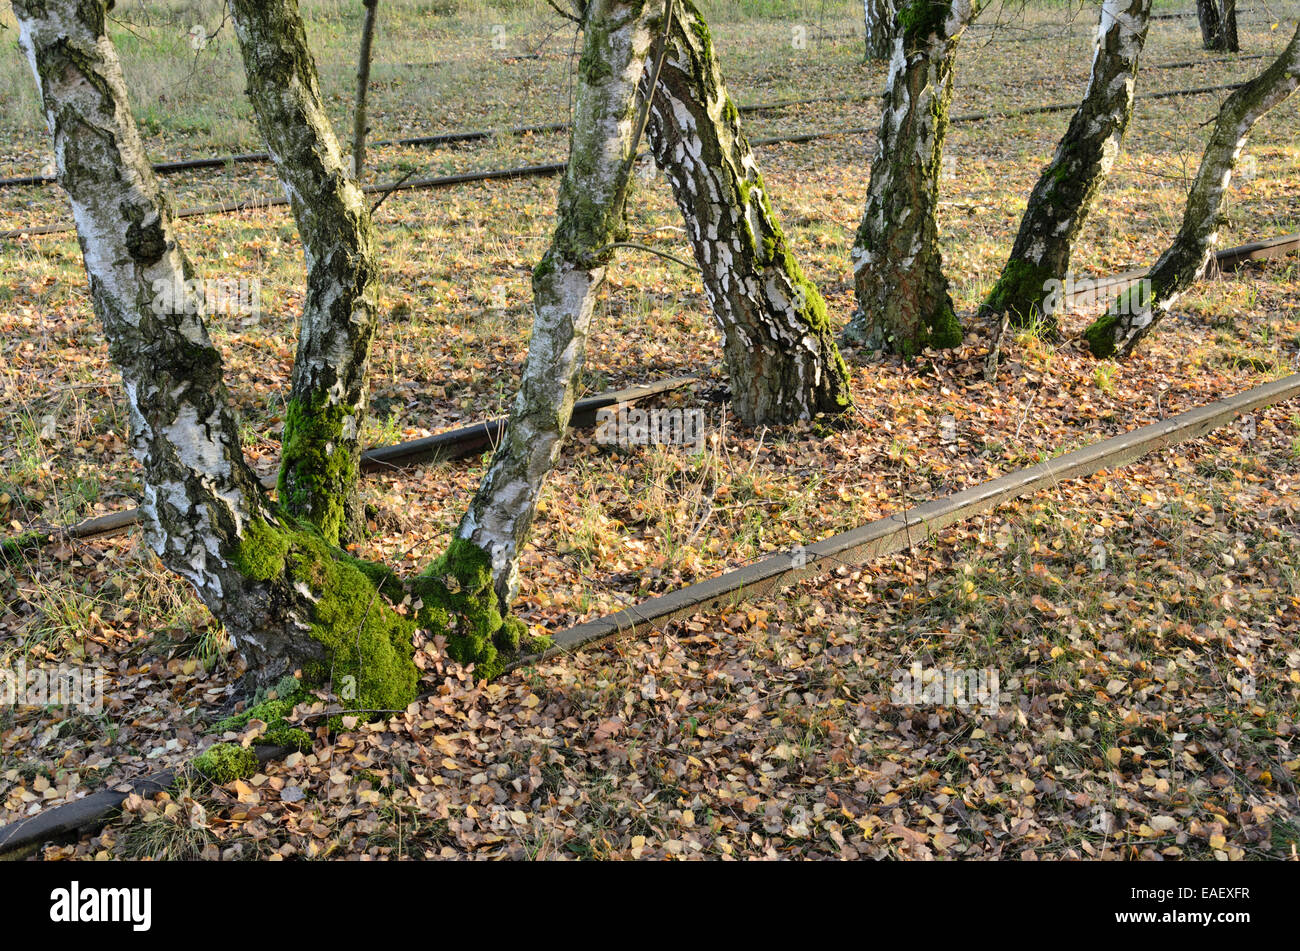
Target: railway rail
point(885, 536)
point(460, 137)
point(556, 168)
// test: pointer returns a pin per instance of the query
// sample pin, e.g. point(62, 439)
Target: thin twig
point(396, 185)
point(645, 247)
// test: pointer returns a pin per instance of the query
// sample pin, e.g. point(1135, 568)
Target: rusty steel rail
point(557, 168)
point(175, 166)
point(452, 444)
point(916, 525)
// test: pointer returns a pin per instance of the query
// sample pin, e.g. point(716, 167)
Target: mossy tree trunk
point(321, 447)
point(778, 345)
point(288, 601)
point(903, 303)
point(878, 16)
point(617, 38)
point(1065, 191)
point(1183, 263)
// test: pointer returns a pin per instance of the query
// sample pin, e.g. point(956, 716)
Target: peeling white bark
point(1185, 260)
point(902, 295)
point(199, 494)
point(618, 38)
point(780, 354)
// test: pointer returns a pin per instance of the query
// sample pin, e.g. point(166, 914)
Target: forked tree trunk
point(777, 340)
point(321, 447)
point(902, 296)
point(290, 600)
point(283, 596)
point(617, 38)
point(878, 16)
point(1065, 191)
point(1137, 312)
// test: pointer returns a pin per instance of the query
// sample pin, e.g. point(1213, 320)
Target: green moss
point(365, 643)
point(458, 598)
point(318, 467)
point(226, 762)
point(700, 29)
point(920, 20)
point(1101, 336)
point(15, 546)
point(945, 329)
point(261, 551)
point(272, 712)
point(1020, 293)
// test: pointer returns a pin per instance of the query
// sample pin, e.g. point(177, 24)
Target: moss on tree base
point(460, 601)
point(1020, 293)
point(1101, 336)
point(356, 643)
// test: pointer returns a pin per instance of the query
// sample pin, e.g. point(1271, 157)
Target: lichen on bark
point(778, 344)
point(1067, 188)
point(903, 303)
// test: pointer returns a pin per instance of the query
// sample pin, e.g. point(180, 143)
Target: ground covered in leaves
point(1141, 625)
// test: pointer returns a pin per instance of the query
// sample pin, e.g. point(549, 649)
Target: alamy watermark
point(946, 687)
point(1082, 293)
point(625, 425)
point(81, 688)
point(230, 296)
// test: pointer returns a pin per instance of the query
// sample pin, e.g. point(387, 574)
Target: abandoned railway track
point(556, 168)
point(477, 437)
point(461, 137)
point(892, 534)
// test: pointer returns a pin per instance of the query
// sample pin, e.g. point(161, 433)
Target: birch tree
point(1137, 312)
point(1218, 25)
point(1068, 186)
point(321, 446)
point(565, 284)
point(903, 305)
point(878, 17)
point(778, 344)
point(290, 600)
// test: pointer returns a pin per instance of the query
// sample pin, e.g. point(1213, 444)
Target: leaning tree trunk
point(878, 16)
point(1137, 312)
point(359, 120)
point(617, 38)
point(777, 341)
point(321, 447)
point(288, 601)
point(903, 304)
point(1063, 196)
